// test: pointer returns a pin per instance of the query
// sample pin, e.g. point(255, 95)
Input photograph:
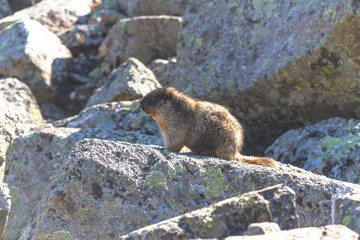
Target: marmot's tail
point(263, 161)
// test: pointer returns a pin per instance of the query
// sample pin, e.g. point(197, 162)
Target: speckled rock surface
point(107, 189)
point(329, 232)
point(5, 206)
point(262, 228)
point(8, 124)
point(16, 97)
point(279, 65)
point(145, 38)
point(125, 116)
point(330, 147)
point(164, 71)
point(130, 81)
point(56, 15)
point(5, 9)
point(227, 218)
point(36, 154)
point(347, 211)
point(25, 56)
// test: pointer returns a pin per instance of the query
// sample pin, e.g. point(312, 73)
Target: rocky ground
point(79, 160)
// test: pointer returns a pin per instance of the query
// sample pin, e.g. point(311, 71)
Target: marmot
point(205, 128)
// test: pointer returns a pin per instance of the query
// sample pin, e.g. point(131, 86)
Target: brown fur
point(205, 128)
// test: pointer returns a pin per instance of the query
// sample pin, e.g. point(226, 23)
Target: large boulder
point(27, 52)
point(279, 65)
point(347, 211)
point(56, 15)
point(107, 189)
point(145, 38)
point(16, 97)
point(227, 218)
point(164, 71)
point(8, 124)
point(130, 81)
point(330, 147)
point(36, 154)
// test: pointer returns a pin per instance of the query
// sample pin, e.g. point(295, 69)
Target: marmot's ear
point(168, 94)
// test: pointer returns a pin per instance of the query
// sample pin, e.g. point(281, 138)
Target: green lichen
point(229, 84)
point(346, 220)
point(59, 235)
point(215, 183)
point(157, 179)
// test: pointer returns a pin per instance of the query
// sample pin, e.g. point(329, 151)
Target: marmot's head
point(155, 99)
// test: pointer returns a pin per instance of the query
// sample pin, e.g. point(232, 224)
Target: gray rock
point(262, 228)
point(347, 211)
point(227, 218)
point(5, 206)
point(164, 71)
point(24, 55)
point(35, 155)
point(56, 15)
point(16, 97)
point(330, 147)
point(5, 9)
point(124, 116)
point(279, 65)
point(17, 5)
point(131, 81)
point(107, 189)
point(329, 232)
point(145, 38)
point(155, 7)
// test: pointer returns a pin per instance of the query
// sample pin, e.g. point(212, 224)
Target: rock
point(227, 218)
point(16, 97)
point(5, 205)
point(145, 38)
point(330, 147)
point(164, 71)
point(156, 7)
point(329, 232)
point(107, 189)
point(25, 56)
point(51, 112)
point(5, 9)
point(131, 81)
point(35, 155)
point(124, 116)
point(262, 228)
point(278, 65)
point(72, 82)
point(8, 124)
point(17, 5)
point(85, 38)
point(347, 211)
point(56, 15)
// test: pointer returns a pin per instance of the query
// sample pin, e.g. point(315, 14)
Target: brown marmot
point(205, 128)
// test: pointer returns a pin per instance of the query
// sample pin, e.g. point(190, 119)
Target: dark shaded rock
point(7, 133)
point(142, 185)
point(25, 56)
point(16, 97)
point(51, 112)
point(4, 9)
point(72, 81)
point(145, 38)
point(56, 15)
point(279, 65)
point(164, 71)
point(36, 154)
point(330, 147)
point(115, 116)
point(347, 211)
point(131, 81)
point(85, 38)
point(227, 218)
point(17, 5)
point(5, 206)
point(329, 232)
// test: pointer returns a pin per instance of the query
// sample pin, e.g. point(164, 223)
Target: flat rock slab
point(279, 65)
point(329, 232)
point(25, 55)
point(107, 189)
point(145, 38)
point(16, 97)
point(132, 80)
point(56, 15)
point(228, 217)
